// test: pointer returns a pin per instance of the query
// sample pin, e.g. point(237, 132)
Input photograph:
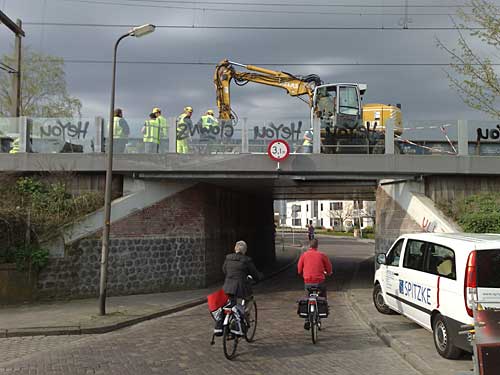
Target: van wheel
point(378, 300)
point(443, 340)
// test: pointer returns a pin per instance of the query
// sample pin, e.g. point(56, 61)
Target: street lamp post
point(137, 32)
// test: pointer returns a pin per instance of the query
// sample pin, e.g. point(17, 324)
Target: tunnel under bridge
point(177, 216)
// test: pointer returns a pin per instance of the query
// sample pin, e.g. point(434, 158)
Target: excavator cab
point(338, 105)
point(337, 108)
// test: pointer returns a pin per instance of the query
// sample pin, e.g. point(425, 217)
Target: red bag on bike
point(216, 300)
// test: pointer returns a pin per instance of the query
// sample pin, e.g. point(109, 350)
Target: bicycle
point(240, 321)
point(315, 308)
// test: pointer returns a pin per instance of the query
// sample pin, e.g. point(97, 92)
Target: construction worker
point(15, 146)
point(151, 131)
point(307, 145)
point(184, 125)
point(208, 120)
point(121, 132)
point(162, 121)
point(206, 124)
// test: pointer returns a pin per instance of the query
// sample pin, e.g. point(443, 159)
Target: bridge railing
point(88, 135)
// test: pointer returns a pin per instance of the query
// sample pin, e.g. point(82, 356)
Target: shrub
point(35, 210)
point(368, 229)
point(478, 213)
point(30, 257)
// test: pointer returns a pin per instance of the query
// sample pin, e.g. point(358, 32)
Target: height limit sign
point(278, 150)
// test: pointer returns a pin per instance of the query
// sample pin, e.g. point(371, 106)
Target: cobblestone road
point(179, 344)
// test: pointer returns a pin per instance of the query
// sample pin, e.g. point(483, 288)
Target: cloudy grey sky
point(422, 90)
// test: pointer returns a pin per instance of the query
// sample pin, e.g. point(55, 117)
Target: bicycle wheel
point(251, 321)
point(229, 339)
point(314, 329)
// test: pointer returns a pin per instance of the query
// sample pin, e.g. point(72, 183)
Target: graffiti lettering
point(222, 131)
point(488, 133)
point(282, 131)
point(78, 130)
point(428, 226)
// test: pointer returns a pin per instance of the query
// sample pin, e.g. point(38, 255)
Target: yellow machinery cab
point(376, 115)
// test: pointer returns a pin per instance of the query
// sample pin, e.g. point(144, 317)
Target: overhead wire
point(142, 5)
point(270, 11)
point(288, 4)
point(319, 28)
point(7, 68)
point(208, 63)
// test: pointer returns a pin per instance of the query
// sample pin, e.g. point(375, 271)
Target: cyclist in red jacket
point(313, 266)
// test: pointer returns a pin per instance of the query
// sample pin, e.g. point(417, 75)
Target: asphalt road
point(179, 344)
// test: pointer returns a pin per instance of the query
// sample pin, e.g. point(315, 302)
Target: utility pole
point(17, 29)
point(16, 78)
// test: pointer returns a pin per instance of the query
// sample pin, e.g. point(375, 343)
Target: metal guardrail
point(86, 135)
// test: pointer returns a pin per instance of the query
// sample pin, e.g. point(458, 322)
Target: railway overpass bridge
point(308, 176)
point(176, 216)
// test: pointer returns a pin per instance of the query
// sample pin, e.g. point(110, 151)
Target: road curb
point(397, 345)
point(79, 330)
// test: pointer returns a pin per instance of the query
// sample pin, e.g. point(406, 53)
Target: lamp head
point(142, 30)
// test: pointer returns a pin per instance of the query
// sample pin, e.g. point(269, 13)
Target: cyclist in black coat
point(237, 267)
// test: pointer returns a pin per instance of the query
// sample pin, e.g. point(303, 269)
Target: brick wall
point(177, 243)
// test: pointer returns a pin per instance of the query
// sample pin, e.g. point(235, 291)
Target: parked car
point(433, 279)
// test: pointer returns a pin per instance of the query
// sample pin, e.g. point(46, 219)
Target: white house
point(339, 215)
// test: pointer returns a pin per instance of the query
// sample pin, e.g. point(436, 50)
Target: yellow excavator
point(336, 106)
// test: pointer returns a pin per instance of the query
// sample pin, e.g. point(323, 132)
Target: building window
point(336, 206)
point(321, 206)
point(321, 221)
point(307, 208)
point(297, 222)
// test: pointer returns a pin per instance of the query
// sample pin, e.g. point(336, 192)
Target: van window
point(440, 261)
point(414, 255)
point(488, 268)
point(395, 253)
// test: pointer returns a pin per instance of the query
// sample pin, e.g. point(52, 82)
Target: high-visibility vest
point(118, 131)
point(207, 121)
point(15, 146)
point(152, 131)
point(181, 120)
point(310, 135)
point(163, 126)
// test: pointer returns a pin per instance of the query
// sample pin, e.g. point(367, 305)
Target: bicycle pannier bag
point(323, 307)
point(216, 301)
point(302, 307)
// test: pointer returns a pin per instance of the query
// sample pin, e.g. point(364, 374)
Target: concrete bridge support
point(410, 206)
point(403, 207)
point(164, 236)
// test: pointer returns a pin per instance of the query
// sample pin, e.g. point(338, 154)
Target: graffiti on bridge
point(488, 133)
point(428, 226)
point(185, 131)
point(78, 130)
point(280, 131)
point(290, 132)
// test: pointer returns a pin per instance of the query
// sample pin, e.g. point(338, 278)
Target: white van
point(431, 278)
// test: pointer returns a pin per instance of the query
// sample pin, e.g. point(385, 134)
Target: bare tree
point(43, 82)
point(341, 215)
point(472, 72)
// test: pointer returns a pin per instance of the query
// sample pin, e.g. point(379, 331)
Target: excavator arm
point(225, 72)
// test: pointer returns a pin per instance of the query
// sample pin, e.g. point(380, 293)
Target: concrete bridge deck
point(310, 166)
